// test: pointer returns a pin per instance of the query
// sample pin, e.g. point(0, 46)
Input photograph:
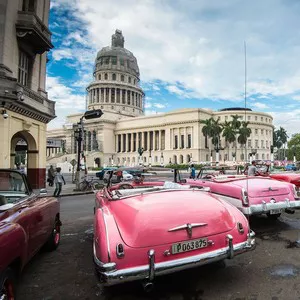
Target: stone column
point(185, 138)
point(132, 135)
point(109, 95)
point(148, 140)
point(126, 96)
point(142, 144)
point(121, 143)
point(104, 100)
point(159, 139)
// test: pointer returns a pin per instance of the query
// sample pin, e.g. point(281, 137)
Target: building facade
point(25, 107)
point(173, 137)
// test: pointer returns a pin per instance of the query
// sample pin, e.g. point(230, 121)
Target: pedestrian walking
point(51, 175)
point(58, 180)
point(193, 172)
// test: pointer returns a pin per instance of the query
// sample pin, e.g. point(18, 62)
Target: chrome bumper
point(109, 275)
point(266, 207)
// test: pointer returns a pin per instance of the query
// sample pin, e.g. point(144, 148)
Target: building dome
point(116, 80)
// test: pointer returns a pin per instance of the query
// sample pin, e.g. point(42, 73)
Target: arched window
point(122, 78)
point(181, 159)
point(105, 76)
point(99, 77)
point(114, 76)
point(263, 156)
point(134, 81)
point(129, 79)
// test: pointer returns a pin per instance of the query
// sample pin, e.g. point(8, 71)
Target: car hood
point(262, 187)
point(145, 220)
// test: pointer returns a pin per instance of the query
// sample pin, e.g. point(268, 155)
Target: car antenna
point(245, 99)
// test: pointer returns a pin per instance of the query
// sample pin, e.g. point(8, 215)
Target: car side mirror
point(43, 192)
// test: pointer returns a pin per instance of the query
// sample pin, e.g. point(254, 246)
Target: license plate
point(275, 211)
point(189, 246)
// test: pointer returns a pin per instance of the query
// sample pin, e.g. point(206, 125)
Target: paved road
point(270, 272)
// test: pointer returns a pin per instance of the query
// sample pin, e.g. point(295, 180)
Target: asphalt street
point(271, 271)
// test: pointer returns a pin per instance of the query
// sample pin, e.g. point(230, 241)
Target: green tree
point(294, 147)
point(207, 129)
point(228, 133)
point(280, 138)
point(244, 133)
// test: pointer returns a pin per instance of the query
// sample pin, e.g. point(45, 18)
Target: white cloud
point(66, 101)
point(159, 105)
point(260, 105)
point(60, 54)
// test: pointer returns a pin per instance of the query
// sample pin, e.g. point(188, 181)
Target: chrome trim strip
point(106, 235)
point(105, 267)
point(187, 226)
point(142, 272)
point(151, 255)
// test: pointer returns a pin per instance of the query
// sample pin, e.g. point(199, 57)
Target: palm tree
point(207, 129)
point(244, 133)
point(283, 137)
point(215, 136)
point(236, 124)
point(228, 133)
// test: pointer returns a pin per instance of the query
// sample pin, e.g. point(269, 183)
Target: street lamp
point(150, 158)
point(112, 160)
point(140, 151)
point(79, 132)
point(233, 156)
point(252, 153)
point(162, 159)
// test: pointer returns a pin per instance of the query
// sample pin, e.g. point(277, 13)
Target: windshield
point(12, 186)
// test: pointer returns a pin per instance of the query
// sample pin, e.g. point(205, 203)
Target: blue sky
point(190, 53)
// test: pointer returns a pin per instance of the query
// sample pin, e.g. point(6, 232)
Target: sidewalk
point(67, 190)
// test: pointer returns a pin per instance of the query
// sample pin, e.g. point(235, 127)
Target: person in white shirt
point(252, 170)
point(58, 180)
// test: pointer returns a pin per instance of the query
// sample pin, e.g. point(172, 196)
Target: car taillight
point(120, 250)
point(245, 199)
point(296, 192)
point(240, 228)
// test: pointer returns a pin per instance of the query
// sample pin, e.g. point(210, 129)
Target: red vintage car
point(144, 232)
point(250, 194)
point(27, 222)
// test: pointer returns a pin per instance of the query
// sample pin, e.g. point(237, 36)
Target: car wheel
point(7, 285)
point(54, 238)
point(274, 216)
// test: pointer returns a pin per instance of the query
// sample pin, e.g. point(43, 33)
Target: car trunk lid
point(162, 218)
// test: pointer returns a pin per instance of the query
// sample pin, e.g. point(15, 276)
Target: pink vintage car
point(27, 222)
point(144, 232)
point(250, 194)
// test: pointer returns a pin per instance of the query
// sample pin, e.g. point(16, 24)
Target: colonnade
point(148, 140)
point(115, 95)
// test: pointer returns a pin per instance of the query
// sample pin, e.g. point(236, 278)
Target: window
point(29, 5)
point(189, 145)
point(107, 60)
point(266, 119)
point(261, 118)
point(256, 143)
point(112, 107)
point(267, 144)
point(23, 69)
point(114, 76)
point(122, 61)
point(175, 142)
point(263, 156)
point(99, 77)
point(114, 60)
point(249, 143)
point(105, 76)
point(262, 143)
point(122, 78)
point(249, 118)
point(256, 131)
point(255, 118)
point(129, 79)
point(262, 131)
point(182, 141)
point(134, 81)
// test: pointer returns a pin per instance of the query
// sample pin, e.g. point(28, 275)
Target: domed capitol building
point(172, 137)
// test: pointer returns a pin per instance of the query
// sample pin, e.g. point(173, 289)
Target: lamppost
point(112, 160)
point(140, 151)
point(218, 147)
point(150, 158)
point(294, 153)
point(162, 159)
point(78, 134)
point(233, 156)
